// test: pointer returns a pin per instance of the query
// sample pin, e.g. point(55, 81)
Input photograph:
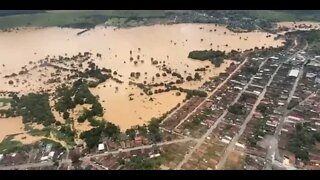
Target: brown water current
point(169, 44)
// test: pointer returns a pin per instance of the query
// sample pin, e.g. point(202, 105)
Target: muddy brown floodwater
point(169, 44)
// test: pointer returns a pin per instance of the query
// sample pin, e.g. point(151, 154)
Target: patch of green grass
point(5, 101)
point(65, 134)
point(40, 132)
point(9, 145)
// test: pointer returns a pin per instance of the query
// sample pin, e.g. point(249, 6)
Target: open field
point(285, 15)
point(72, 18)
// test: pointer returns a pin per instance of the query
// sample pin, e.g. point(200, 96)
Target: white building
point(294, 73)
point(154, 155)
point(51, 154)
point(310, 75)
point(101, 147)
point(44, 158)
point(257, 93)
point(225, 141)
point(240, 145)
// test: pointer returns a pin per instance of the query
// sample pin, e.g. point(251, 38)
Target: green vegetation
point(32, 107)
point(76, 18)
point(94, 136)
point(150, 131)
point(143, 163)
point(260, 130)
point(80, 94)
point(94, 122)
point(205, 55)
point(17, 12)
point(313, 38)
point(5, 101)
point(134, 131)
point(154, 130)
point(215, 57)
point(55, 145)
point(94, 71)
point(40, 132)
point(9, 145)
point(303, 141)
point(252, 69)
point(66, 134)
point(271, 15)
point(285, 15)
point(197, 76)
point(131, 133)
point(198, 119)
point(264, 109)
point(237, 109)
point(145, 88)
point(191, 93)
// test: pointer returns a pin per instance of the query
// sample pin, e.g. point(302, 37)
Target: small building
point(310, 75)
point(44, 158)
point(51, 154)
point(154, 155)
point(257, 93)
point(294, 73)
point(286, 161)
point(293, 118)
point(138, 140)
point(228, 137)
point(240, 145)
point(271, 123)
point(225, 141)
point(101, 147)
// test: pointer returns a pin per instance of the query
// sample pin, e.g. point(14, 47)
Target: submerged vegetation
point(215, 57)
point(78, 94)
point(32, 107)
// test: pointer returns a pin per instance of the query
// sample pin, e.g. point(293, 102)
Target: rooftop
point(294, 73)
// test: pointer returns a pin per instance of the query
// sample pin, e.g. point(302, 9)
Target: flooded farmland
point(168, 44)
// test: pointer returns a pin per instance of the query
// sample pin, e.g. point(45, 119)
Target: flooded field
point(10, 126)
point(15, 126)
point(167, 44)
